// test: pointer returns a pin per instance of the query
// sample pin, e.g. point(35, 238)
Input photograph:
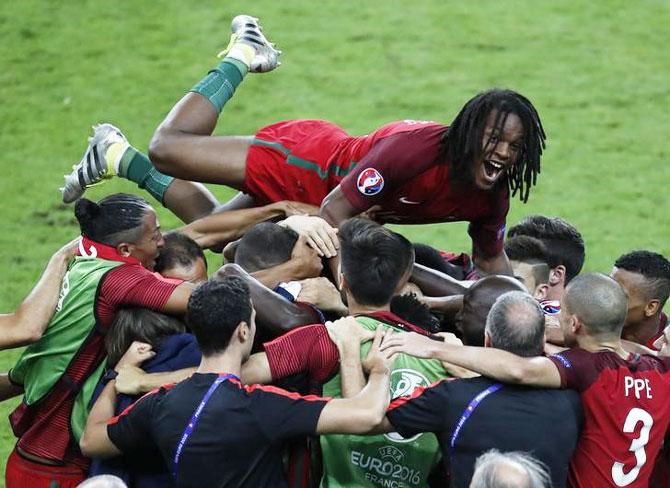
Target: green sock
point(220, 83)
point(137, 167)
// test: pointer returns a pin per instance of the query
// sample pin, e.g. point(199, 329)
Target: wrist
point(379, 370)
point(277, 209)
point(110, 375)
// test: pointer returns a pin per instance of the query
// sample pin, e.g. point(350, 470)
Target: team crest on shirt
point(370, 182)
point(403, 383)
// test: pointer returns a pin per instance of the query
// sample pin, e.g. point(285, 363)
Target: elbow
point(86, 447)
point(520, 374)
point(27, 336)
point(371, 420)
point(31, 336)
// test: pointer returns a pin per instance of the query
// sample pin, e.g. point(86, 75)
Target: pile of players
point(330, 349)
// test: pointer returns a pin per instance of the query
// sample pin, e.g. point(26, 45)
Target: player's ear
point(487, 339)
point(557, 275)
point(575, 324)
point(243, 332)
point(541, 291)
point(651, 307)
point(342, 282)
point(124, 249)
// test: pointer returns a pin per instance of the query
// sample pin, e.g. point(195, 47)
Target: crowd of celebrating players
point(330, 350)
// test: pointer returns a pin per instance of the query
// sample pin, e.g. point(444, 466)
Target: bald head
point(516, 324)
point(509, 470)
point(599, 302)
point(477, 301)
point(103, 481)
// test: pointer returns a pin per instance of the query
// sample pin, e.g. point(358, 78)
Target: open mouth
point(492, 169)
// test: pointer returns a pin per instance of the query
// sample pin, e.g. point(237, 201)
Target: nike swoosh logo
point(408, 202)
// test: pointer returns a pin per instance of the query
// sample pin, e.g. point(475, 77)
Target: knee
point(161, 151)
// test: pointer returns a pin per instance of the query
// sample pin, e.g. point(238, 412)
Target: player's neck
point(227, 362)
point(597, 344)
point(641, 333)
point(356, 308)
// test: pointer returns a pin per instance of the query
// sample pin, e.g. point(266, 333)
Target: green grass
point(596, 71)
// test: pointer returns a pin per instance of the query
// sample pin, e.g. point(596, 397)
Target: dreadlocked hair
point(462, 142)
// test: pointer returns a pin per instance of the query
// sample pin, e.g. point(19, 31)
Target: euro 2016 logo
point(403, 383)
point(370, 182)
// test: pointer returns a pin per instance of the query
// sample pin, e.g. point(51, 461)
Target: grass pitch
point(596, 71)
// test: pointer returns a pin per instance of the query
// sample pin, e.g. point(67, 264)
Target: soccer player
point(530, 264)
point(375, 264)
point(408, 172)
point(210, 429)
point(476, 302)
point(181, 258)
point(624, 395)
point(645, 277)
point(121, 240)
point(471, 416)
point(565, 252)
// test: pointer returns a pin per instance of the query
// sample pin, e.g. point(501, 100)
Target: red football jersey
point(627, 413)
point(398, 167)
point(401, 169)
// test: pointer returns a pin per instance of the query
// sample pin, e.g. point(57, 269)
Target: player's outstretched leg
point(183, 146)
point(109, 154)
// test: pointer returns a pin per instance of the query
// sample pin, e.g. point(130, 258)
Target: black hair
point(411, 310)
point(431, 258)
point(564, 244)
point(138, 324)
point(527, 249)
point(113, 220)
point(215, 309)
point(265, 245)
point(477, 302)
point(655, 269)
point(532, 251)
point(178, 250)
point(462, 142)
point(373, 260)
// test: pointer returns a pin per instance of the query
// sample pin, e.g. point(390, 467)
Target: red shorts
point(291, 160)
point(22, 473)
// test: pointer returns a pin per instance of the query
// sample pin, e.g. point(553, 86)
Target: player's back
point(355, 147)
point(627, 413)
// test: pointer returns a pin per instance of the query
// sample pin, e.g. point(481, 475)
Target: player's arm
point(305, 262)
point(220, 228)
point(493, 363)
point(133, 380)
point(304, 350)
point(361, 413)
point(178, 301)
point(27, 324)
point(436, 283)
point(348, 335)
point(489, 265)
point(8, 389)
point(95, 441)
point(256, 370)
point(274, 313)
point(487, 234)
point(335, 208)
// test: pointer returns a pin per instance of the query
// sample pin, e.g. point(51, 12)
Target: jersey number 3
point(635, 416)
